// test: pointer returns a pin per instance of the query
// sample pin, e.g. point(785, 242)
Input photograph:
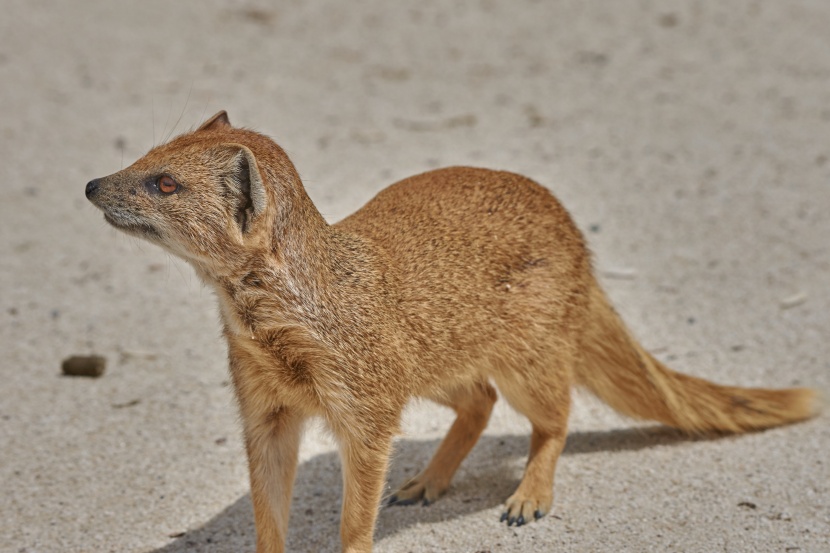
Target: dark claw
point(520, 521)
point(503, 517)
point(538, 514)
point(395, 501)
point(511, 521)
point(426, 503)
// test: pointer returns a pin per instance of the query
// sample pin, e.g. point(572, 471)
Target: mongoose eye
point(167, 185)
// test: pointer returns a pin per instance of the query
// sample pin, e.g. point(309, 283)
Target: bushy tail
point(621, 373)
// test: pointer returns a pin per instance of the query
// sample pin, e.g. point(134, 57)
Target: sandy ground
point(690, 140)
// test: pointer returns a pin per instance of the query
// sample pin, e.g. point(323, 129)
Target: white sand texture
point(690, 141)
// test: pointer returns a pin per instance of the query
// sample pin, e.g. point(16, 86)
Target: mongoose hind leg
point(545, 400)
point(534, 497)
point(472, 406)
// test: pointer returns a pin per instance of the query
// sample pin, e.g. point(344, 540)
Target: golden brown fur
point(443, 285)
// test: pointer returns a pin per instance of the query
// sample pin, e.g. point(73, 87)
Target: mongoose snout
point(92, 187)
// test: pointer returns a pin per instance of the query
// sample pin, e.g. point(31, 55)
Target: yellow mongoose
point(444, 284)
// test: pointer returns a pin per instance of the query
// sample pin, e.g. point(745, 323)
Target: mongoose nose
point(91, 187)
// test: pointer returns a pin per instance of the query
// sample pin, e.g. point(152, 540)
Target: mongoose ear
point(245, 182)
point(218, 121)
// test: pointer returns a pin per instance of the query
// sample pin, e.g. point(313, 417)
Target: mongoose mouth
point(131, 226)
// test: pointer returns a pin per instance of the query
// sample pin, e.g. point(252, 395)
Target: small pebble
point(793, 301)
point(84, 365)
point(131, 403)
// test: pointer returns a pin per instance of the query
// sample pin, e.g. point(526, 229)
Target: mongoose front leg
point(472, 406)
point(272, 441)
point(365, 455)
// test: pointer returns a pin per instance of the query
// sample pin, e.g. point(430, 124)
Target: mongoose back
point(444, 285)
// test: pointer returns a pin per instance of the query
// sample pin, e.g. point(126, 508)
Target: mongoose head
point(208, 196)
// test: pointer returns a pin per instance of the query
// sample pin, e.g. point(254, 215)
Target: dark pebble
point(84, 365)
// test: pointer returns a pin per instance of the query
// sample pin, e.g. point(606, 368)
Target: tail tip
point(805, 403)
point(816, 401)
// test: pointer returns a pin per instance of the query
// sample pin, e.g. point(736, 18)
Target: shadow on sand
point(480, 484)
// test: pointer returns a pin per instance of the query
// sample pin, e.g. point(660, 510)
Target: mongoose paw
point(418, 490)
point(522, 510)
